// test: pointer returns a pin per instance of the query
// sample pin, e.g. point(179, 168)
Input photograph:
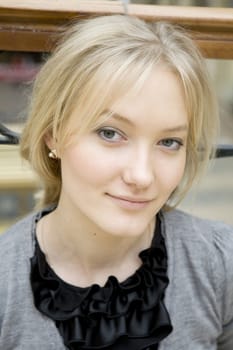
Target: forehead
point(160, 100)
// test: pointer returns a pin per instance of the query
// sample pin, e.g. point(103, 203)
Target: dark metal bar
point(8, 137)
point(224, 151)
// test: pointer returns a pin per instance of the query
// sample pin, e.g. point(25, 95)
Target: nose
point(138, 171)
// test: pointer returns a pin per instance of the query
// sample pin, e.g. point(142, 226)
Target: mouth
point(130, 203)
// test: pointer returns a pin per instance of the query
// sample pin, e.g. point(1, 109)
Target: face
point(117, 177)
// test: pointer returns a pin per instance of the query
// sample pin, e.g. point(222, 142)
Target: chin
point(127, 229)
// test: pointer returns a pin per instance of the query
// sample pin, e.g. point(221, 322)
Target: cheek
point(171, 173)
point(88, 165)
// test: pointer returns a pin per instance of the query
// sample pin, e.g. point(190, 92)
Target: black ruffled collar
point(127, 315)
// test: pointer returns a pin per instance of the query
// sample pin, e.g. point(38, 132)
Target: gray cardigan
point(199, 297)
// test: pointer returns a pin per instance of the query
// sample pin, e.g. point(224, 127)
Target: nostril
point(138, 177)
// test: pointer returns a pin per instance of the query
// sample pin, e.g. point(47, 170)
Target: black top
point(120, 315)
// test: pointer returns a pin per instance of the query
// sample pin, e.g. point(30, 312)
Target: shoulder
point(188, 227)
point(204, 249)
point(17, 239)
point(16, 248)
point(200, 238)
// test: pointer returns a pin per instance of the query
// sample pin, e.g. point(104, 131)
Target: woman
point(122, 121)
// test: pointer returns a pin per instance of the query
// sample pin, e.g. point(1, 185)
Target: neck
point(92, 253)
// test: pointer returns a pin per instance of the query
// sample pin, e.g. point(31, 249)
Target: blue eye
point(109, 134)
point(172, 144)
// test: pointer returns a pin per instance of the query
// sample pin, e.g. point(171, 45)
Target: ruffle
point(129, 314)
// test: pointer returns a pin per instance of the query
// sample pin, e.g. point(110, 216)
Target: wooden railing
point(28, 25)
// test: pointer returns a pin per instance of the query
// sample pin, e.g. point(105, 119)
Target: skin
point(115, 180)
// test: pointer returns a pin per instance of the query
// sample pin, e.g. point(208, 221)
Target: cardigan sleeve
point(223, 272)
point(5, 271)
point(15, 248)
point(226, 339)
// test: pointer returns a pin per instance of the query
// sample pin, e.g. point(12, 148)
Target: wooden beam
point(14, 173)
point(34, 25)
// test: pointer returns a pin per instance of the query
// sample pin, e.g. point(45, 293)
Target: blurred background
point(211, 198)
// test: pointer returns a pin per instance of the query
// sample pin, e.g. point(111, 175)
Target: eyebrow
point(183, 127)
point(177, 128)
point(119, 117)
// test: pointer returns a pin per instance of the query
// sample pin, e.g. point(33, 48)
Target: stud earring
point(53, 154)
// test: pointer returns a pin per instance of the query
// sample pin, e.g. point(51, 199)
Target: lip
point(130, 203)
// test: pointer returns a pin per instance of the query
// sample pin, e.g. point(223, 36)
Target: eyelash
point(178, 142)
point(101, 132)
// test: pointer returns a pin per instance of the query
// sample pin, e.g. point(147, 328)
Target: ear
point(49, 141)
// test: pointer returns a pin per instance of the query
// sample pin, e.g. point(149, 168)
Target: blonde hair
point(97, 61)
